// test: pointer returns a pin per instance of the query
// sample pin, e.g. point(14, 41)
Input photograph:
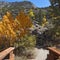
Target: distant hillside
point(15, 7)
point(3, 4)
point(24, 4)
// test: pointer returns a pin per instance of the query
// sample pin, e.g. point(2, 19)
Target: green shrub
point(28, 41)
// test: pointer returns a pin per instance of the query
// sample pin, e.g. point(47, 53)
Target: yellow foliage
point(44, 19)
point(31, 13)
point(10, 17)
point(47, 22)
point(57, 33)
point(43, 25)
point(44, 22)
point(2, 28)
point(32, 26)
point(9, 26)
point(24, 20)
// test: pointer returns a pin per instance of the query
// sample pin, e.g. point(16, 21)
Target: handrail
point(54, 50)
point(54, 53)
point(4, 53)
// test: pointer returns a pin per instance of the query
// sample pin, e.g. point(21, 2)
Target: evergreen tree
point(55, 4)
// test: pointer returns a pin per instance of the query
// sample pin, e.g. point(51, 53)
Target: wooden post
point(50, 56)
point(11, 56)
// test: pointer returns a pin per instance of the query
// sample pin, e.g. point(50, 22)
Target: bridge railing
point(6, 52)
point(54, 53)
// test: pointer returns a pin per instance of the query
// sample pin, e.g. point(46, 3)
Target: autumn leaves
point(11, 28)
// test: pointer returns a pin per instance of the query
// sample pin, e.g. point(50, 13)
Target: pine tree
point(55, 4)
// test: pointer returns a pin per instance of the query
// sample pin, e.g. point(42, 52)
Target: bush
point(28, 41)
point(24, 44)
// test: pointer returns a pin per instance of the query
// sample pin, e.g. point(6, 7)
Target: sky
point(38, 3)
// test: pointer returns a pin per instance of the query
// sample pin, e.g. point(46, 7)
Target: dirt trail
point(41, 54)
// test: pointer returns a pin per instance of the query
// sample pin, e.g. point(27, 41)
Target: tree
point(55, 18)
point(25, 22)
point(55, 4)
point(44, 21)
point(12, 29)
point(31, 14)
point(39, 16)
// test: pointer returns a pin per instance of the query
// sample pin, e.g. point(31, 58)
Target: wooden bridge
point(53, 55)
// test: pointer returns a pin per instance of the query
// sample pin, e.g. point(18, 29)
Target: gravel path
point(40, 54)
